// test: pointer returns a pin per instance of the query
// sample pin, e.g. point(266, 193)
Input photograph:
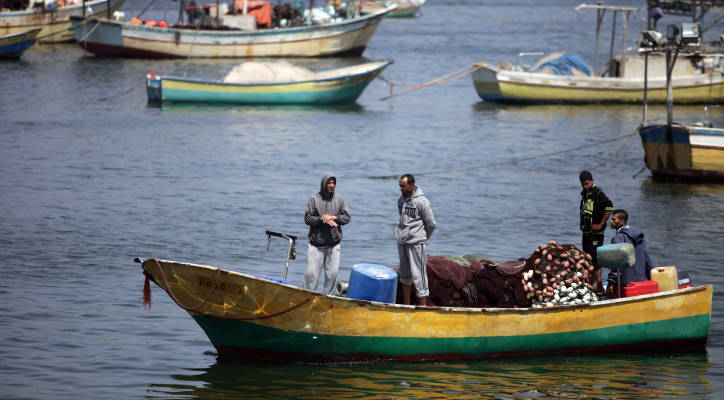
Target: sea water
point(91, 177)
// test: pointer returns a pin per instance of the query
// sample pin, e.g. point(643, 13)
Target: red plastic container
point(639, 288)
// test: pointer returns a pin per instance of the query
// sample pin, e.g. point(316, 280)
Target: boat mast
point(600, 12)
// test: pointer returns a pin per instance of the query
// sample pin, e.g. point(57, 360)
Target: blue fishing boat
point(14, 45)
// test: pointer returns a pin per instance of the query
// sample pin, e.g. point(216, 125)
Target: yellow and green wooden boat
point(337, 86)
point(251, 317)
point(689, 152)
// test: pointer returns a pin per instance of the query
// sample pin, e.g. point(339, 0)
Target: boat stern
point(153, 88)
point(485, 80)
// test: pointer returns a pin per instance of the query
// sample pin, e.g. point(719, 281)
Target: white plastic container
point(666, 277)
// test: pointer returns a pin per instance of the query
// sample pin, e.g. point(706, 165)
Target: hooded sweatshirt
point(416, 219)
point(321, 234)
point(641, 270)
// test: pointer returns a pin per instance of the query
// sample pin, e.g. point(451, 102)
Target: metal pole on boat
point(670, 61)
point(599, 19)
point(613, 37)
point(83, 8)
point(182, 6)
point(625, 32)
point(108, 9)
point(291, 254)
point(646, 85)
point(246, 7)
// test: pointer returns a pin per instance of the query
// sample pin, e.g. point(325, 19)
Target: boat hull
point(55, 25)
point(405, 8)
point(688, 151)
point(122, 39)
point(497, 85)
point(252, 317)
point(343, 88)
point(15, 44)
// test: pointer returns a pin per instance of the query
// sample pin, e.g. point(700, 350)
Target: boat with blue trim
point(15, 44)
point(337, 86)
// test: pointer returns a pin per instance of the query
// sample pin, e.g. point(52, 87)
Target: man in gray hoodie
point(412, 233)
point(325, 214)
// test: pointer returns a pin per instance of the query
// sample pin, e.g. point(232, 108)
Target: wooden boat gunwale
point(565, 307)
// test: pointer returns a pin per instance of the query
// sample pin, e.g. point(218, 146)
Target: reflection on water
point(181, 108)
point(549, 377)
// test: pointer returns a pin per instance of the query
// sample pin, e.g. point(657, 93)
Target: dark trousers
point(590, 242)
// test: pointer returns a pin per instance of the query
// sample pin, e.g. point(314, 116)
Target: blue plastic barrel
point(372, 282)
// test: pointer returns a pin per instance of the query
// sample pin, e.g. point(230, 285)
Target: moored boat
point(698, 78)
point(691, 152)
point(247, 316)
point(691, 83)
point(341, 36)
point(55, 21)
point(15, 44)
point(405, 8)
point(337, 86)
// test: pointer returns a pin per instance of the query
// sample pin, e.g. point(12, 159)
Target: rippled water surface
point(91, 177)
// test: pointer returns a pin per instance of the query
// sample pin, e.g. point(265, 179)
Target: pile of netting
point(553, 275)
point(558, 274)
point(268, 72)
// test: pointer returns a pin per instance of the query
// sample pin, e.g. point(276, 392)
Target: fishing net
point(259, 72)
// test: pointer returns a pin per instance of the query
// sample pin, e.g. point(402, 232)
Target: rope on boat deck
point(275, 314)
point(170, 292)
point(447, 78)
point(501, 163)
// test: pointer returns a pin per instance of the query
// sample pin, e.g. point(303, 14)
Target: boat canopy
point(565, 64)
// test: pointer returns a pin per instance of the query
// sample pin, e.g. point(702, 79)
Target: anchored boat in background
point(324, 31)
point(566, 78)
point(55, 22)
point(695, 80)
point(693, 152)
point(405, 8)
point(15, 44)
point(252, 317)
point(337, 86)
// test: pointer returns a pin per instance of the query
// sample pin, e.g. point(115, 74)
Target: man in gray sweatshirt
point(412, 233)
point(325, 214)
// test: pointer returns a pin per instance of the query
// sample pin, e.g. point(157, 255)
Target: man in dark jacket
point(641, 270)
point(595, 210)
point(325, 214)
